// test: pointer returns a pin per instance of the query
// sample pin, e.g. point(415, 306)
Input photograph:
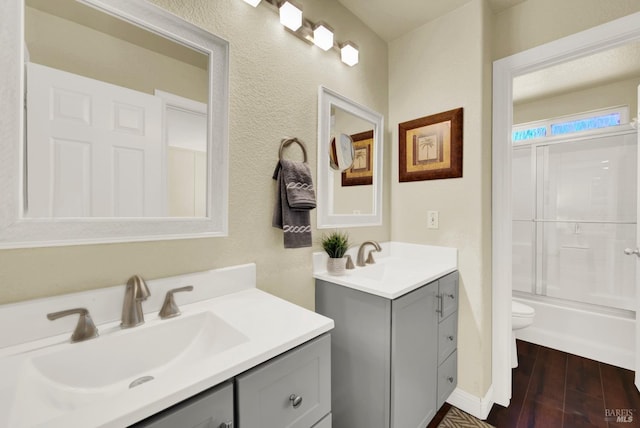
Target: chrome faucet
point(135, 292)
point(85, 329)
point(360, 260)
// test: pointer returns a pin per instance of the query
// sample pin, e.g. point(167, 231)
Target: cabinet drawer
point(448, 292)
point(447, 378)
point(212, 408)
point(290, 391)
point(447, 337)
point(324, 423)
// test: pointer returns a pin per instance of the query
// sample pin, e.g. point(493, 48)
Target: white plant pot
point(336, 267)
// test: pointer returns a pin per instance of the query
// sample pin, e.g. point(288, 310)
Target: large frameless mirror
point(349, 162)
point(124, 130)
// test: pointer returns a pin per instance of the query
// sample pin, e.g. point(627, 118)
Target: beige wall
point(535, 22)
point(68, 46)
point(623, 92)
point(438, 67)
point(273, 93)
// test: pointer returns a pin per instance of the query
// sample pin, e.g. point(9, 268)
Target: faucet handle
point(370, 259)
point(85, 329)
point(169, 308)
point(349, 262)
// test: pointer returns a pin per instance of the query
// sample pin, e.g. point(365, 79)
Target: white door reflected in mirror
point(100, 155)
point(102, 141)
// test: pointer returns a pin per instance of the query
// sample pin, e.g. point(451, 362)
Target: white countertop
point(399, 269)
point(271, 326)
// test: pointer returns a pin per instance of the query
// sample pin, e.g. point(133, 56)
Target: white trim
point(325, 218)
point(596, 39)
point(19, 232)
point(476, 406)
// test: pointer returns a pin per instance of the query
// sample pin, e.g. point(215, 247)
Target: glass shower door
point(586, 217)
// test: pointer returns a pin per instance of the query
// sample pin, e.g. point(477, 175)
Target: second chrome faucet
point(135, 293)
point(360, 261)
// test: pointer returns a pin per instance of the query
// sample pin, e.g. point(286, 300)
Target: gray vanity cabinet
point(292, 390)
point(387, 356)
point(289, 391)
point(212, 408)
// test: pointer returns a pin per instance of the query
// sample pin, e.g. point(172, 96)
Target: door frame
point(596, 39)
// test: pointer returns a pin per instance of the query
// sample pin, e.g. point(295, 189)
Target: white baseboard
point(476, 406)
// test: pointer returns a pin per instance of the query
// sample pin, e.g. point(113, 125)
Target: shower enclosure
point(574, 213)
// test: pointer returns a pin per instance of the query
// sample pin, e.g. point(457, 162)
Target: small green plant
point(335, 244)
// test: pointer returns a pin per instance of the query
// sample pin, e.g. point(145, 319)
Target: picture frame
point(430, 147)
point(361, 172)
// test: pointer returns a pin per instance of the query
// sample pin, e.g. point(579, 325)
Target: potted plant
point(336, 245)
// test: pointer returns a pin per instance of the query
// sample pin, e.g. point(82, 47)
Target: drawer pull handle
point(450, 379)
point(450, 338)
point(439, 308)
point(226, 425)
point(296, 400)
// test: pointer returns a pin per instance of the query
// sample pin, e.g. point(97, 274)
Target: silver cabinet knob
point(226, 425)
point(451, 296)
point(450, 338)
point(629, 251)
point(296, 400)
point(450, 379)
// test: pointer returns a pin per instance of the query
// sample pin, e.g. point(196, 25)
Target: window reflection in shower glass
point(586, 124)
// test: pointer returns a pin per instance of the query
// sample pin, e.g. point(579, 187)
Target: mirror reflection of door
point(353, 197)
point(99, 145)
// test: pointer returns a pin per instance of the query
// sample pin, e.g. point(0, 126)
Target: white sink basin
point(69, 376)
point(400, 268)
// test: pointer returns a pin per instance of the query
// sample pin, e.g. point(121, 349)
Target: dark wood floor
point(553, 389)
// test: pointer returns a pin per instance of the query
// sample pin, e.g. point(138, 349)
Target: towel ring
point(287, 141)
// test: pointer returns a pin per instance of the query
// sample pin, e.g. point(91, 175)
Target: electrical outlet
point(432, 220)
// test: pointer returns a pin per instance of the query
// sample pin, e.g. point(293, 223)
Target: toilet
point(521, 317)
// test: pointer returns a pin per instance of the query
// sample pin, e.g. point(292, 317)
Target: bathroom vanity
point(233, 346)
point(263, 395)
point(394, 347)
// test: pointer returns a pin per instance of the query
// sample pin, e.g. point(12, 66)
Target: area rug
point(456, 418)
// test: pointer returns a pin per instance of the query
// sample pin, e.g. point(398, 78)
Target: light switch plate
point(432, 220)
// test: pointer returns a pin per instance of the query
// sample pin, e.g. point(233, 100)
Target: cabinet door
point(414, 369)
point(210, 409)
point(448, 294)
point(360, 355)
point(290, 391)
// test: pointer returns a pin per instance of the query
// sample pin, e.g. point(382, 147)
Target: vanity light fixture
point(323, 36)
point(290, 15)
point(349, 53)
point(319, 34)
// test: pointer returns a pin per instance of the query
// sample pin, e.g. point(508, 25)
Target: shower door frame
point(539, 149)
point(596, 39)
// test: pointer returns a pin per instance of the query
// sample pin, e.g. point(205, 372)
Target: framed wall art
point(361, 172)
point(430, 147)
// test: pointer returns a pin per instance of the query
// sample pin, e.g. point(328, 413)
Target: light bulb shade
point(323, 36)
point(349, 53)
point(290, 15)
point(253, 3)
